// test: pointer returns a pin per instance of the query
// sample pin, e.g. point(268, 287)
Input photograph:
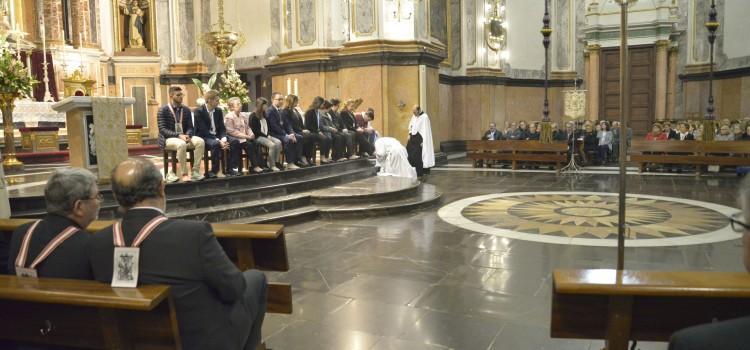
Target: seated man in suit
point(55, 246)
point(730, 334)
point(217, 305)
point(174, 120)
point(492, 134)
point(209, 125)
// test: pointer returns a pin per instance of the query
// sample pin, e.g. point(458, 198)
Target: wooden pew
point(696, 153)
point(619, 306)
point(87, 314)
point(518, 150)
point(249, 246)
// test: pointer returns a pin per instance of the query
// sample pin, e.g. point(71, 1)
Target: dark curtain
point(37, 71)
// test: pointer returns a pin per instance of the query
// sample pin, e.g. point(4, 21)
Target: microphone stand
point(572, 167)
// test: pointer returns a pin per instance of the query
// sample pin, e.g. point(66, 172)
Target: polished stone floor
point(413, 281)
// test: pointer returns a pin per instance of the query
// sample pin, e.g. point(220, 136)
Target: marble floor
point(414, 281)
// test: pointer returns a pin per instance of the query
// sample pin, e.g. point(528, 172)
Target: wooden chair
point(173, 154)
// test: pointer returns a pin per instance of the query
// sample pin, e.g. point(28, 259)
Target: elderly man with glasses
point(730, 334)
point(56, 245)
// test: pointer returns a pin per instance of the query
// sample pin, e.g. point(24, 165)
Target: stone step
point(426, 196)
point(374, 189)
point(247, 209)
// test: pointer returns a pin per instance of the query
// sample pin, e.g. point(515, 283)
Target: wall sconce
point(399, 10)
point(495, 27)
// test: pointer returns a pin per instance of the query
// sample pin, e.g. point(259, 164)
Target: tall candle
point(296, 87)
point(83, 19)
point(288, 86)
point(80, 50)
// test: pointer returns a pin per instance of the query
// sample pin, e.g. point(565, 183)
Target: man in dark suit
point(209, 125)
point(683, 133)
point(276, 129)
point(217, 305)
point(729, 334)
point(72, 199)
point(492, 133)
point(174, 121)
point(671, 133)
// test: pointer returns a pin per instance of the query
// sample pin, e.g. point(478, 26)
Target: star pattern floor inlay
point(590, 218)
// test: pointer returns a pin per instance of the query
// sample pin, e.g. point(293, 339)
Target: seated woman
point(590, 143)
point(605, 142)
point(656, 134)
point(533, 134)
point(240, 138)
point(746, 135)
point(724, 134)
point(259, 126)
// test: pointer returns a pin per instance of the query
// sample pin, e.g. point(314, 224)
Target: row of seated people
point(277, 126)
point(217, 305)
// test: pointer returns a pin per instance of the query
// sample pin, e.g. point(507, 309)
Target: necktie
point(213, 125)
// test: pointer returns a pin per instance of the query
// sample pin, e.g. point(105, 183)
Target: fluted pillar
point(593, 82)
point(660, 108)
point(672, 81)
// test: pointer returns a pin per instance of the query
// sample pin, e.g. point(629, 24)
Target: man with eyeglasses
point(730, 334)
point(56, 245)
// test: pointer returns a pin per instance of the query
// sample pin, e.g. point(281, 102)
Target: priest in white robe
point(420, 149)
point(392, 158)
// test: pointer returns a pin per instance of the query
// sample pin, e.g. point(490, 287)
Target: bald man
point(218, 306)
point(727, 334)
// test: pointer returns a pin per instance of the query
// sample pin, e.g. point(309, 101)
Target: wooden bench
point(619, 306)
point(87, 314)
point(696, 153)
point(518, 150)
point(249, 246)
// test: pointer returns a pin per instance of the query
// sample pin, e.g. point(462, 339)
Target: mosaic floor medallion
point(590, 218)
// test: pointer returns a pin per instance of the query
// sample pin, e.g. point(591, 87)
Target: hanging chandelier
point(222, 40)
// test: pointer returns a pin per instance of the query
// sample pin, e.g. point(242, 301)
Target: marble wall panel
point(445, 106)
point(365, 17)
point(439, 118)
point(439, 20)
point(745, 98)
point(275, 28)
point(287, 15)
point(730, 91)
point(561, 34)
point(186, 28)
point(458, 98)
point(350, 85)
point(306, 22)
point(471, 31)
point(699, 32)
point(455, 29)
point(402, 88)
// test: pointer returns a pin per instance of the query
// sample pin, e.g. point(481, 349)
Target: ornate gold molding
point(371, 46)
point(305, 55)
point(297, 17)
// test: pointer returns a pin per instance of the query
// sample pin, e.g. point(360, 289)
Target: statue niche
point(134, 23)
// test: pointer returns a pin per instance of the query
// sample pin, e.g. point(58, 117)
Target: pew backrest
point(87, 314)
point(643, 305)
point(249, 246)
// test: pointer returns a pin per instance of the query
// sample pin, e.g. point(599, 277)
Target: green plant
point(14, 77)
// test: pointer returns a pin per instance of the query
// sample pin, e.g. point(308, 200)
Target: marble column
point(672, 82)
point(593, 82)
point(660, 108)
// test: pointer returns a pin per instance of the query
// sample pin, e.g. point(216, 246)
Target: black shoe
point(234, 173)
point(210, 175)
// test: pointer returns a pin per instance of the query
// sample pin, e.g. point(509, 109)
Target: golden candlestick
point(7, 103)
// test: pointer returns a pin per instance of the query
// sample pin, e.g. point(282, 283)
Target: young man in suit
point(174, 121)
point(217, 305)
point(209, 125)
point(73, 201)
point(275, 129)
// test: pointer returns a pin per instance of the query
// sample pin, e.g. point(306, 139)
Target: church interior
point(506, 182)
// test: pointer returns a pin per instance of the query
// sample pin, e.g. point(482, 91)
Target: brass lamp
point(222, 41)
